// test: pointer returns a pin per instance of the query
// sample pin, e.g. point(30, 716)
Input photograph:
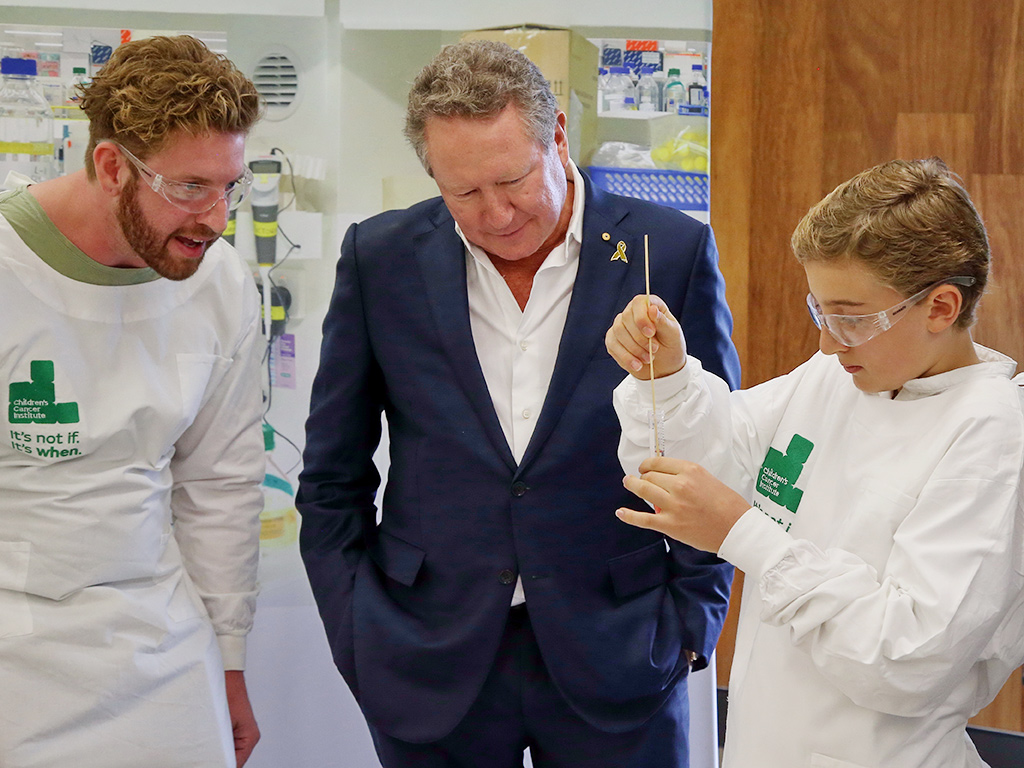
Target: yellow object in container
point(686, 151)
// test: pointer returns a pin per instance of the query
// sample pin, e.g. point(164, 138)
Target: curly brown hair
point(154, 87)
point(910, 222)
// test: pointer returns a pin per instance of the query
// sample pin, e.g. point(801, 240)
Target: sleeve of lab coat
point(218, 468)
point(899, 641)
point(725, 432)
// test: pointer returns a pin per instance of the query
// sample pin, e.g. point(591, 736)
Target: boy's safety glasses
point(189, 196)
point(854, 330)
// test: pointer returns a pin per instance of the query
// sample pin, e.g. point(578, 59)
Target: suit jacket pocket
point(398, 559)
point(640, 570)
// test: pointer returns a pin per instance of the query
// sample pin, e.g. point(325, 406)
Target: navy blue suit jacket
point(414, 607)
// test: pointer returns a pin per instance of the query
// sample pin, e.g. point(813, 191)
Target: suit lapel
point(442, 262)
point(596, 298)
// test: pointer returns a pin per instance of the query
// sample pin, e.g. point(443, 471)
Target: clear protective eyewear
point(189, 196)
point(854, 330)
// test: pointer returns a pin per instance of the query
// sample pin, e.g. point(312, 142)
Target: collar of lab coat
point(992, 364)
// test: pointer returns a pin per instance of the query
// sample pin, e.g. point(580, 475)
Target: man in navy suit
point(499, 603)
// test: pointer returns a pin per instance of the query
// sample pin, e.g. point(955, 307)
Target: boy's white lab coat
point(883, 603)
point(129, 496)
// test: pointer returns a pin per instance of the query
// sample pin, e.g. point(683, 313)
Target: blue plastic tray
point(677, 189)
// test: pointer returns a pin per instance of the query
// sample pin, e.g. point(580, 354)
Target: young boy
point(874, 505)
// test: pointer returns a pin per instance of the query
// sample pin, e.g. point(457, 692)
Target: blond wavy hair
point(158, 86)
point(478, 79)
point(910, 222)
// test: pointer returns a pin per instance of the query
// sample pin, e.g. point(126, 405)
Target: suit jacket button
point(519, 488)
point(506, 576)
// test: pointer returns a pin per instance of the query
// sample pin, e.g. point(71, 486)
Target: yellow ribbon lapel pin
point(620, 253)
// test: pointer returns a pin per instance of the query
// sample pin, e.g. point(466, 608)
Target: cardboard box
point(569, 62)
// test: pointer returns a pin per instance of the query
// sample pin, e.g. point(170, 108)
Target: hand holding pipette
point(640, 323)
point(694, 506)
point(648, 319)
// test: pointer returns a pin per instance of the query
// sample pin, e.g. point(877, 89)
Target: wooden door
point(806, 93)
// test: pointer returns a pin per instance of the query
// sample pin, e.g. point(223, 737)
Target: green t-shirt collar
point(27, 217)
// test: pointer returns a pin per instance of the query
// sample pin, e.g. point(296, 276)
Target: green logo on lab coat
point(779, 473)
point(34, 402)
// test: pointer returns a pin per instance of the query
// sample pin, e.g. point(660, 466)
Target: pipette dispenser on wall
point(265, 198)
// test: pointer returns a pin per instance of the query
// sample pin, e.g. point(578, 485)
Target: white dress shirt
point(517, 347)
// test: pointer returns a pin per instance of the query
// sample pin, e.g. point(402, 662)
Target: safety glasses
point(854, 330)
point(191, 197)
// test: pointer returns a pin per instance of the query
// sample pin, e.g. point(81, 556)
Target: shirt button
point(519, 488)
point(506, 576)
point(523, 345)
point(526, 413)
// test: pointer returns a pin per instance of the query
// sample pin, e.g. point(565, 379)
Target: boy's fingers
point(638, 519)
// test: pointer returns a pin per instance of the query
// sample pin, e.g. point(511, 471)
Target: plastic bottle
point(647, 91)
point(695, 90)
point(78, 77)
point(53, 91)
point(26, 123)
point(675, 92)
point(661, 80)
point(606, 92)
point(613, 91)
point(619, 87)
point(602, 88)
point(629, 93)
point(279, 522)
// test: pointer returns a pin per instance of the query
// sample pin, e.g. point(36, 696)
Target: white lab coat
point(883, 603)
point(128, 526)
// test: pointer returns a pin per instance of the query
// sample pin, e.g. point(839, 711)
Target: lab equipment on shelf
point(26, 124)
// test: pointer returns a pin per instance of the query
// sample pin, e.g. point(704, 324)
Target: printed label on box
point(282, 362)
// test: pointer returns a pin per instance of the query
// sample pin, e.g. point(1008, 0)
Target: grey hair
point(478, 79)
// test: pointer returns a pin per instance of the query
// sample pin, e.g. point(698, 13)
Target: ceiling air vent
point(277, 80)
